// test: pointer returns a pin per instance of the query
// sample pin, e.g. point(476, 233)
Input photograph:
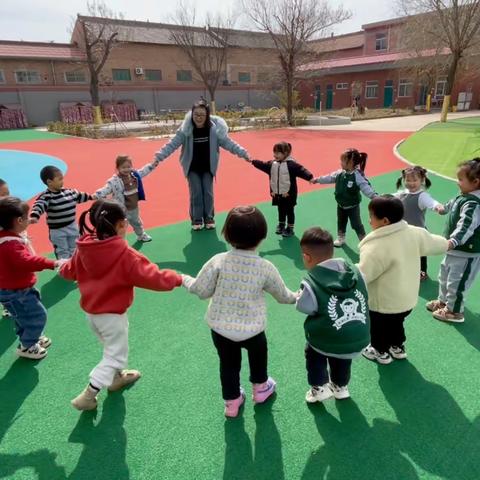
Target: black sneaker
point(280, 228)
point(288, 232)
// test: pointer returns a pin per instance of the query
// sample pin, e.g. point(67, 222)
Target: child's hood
point(218, 123)
point(334, 276)
point(99, 257)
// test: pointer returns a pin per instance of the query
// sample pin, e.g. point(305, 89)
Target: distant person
point(126, 187)
point(416, 201)
point(107, 270)
point(283, 172)
point(334, 296)
point(60, 205)
point(350, 181)
point(236, 283)
point(462, 262)
point(200, 136)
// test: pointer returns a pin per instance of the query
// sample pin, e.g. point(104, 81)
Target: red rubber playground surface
point(91, 162)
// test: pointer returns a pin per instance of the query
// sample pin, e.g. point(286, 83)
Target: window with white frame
point(27, 76)
point(441, 87)
point(405, 88)
point(342, 86)
point(2, 77)
point(371, 89)
point(75, 76)
point(381, 41)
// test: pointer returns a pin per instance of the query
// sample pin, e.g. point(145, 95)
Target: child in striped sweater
point(235, 282)
point(60, 205)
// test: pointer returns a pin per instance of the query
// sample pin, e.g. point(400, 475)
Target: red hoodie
point(107, 271)
point(18, 262)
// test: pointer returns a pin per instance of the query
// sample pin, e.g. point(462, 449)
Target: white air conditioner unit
point(138, 71)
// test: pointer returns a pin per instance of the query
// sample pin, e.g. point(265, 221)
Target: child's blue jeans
point(28, 312)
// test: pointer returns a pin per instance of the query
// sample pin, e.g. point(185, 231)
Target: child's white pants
point(112, 330)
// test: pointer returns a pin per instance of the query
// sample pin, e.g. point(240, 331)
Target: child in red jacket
point(17, 279)
point(107, 270)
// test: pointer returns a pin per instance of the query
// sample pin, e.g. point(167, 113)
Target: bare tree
point(98, 36)
point(291, 24)
point(205, 47)
point(449, 24)
point(421, 61)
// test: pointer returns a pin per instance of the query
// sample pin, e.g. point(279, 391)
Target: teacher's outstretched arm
point(176, 142)
point(233, 147)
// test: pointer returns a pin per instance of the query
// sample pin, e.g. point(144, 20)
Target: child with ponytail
point(349, 181)
point(416, 201)
point(106, 270)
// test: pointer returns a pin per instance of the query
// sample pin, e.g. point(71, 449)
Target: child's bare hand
point(32, 220)
point(440, 209)
point(451, 245)
point(313, 180)
point(60, 263)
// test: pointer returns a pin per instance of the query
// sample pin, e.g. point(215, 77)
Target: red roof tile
point(38, 50)
point(364, 60)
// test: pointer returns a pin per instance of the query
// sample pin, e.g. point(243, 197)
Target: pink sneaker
point(261, 391)
point(233, 406)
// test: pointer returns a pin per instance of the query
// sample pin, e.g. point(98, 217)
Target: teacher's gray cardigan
point(184, 138)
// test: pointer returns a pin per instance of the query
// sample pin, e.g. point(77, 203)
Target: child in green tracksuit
point(461, 265)
point(337, 328)
point(349, 181)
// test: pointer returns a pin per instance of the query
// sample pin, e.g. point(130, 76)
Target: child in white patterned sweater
point(235, 282)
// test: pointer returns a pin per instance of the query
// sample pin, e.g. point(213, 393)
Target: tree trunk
point(94, 94)
point(452, 71)
point(213, 110)
point(289, 101)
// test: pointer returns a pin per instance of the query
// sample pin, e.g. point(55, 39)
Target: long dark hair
point(359, 159)
point(103, 215)
point(202, 104)
point(416, 170)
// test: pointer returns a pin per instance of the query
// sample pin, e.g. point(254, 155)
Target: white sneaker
point(319, 394)
point(197, 226)
point(339, 242)
point(398, 352)
point(144, 237)
point(210, 225)
point(340, 393)
point(372, 354)
point(44, 341)
point(35, 352)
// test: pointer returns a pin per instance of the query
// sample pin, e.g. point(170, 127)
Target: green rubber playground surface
point(413, 419)
point(440, 147)
point(26, 134)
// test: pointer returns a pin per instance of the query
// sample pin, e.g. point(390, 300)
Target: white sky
point(48, 20)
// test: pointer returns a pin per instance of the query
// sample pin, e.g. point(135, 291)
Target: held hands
point(32, 220)
point(60, 263)
point(451, 245)
point(440, 209)
point(313, 180)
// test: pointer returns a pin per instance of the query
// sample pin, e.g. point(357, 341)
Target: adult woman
point(201, 136)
